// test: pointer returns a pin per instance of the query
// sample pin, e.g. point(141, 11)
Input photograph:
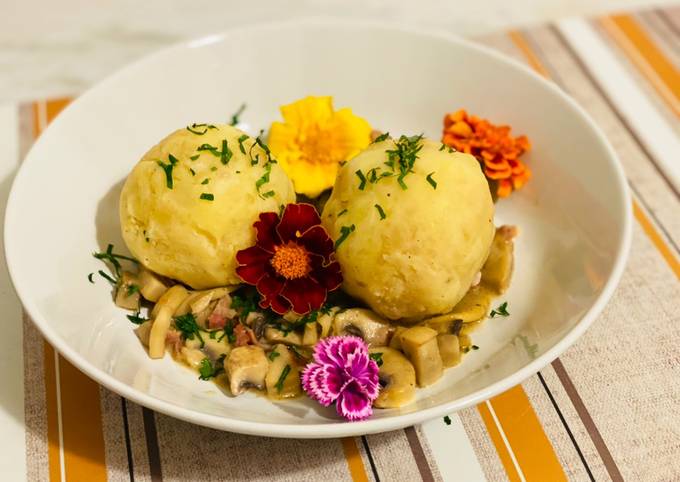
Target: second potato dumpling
point(413, 224)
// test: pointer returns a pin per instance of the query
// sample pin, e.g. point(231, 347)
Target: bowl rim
point(339, 428)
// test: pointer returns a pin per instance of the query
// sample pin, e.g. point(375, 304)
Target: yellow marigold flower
point(313, 139)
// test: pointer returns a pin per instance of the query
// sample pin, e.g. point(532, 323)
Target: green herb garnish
point(402, 159)
point(89, 278)
point(240, 143)
point(502, 310)
point(273, 355)
point(205, 181)
point(264, 179)
point(213, 169)
point(474, 347)
point(442, 147)
point(345, 231)
point(193, 173)
point(206, 196)
point(432, 182)
point(344, 211)
point(447, 420)
point(362, 178)
point(114, 259)
point(137, 319)
point(380, 211)
point(188, 327)
point(377, 357)
point(108, 278)
point(268, 194)
point(167, 168)
point(196, 128)
point(381, 137)
point(225, 154)
point(207, 370)
point(132, 289)
point(282, 378)
point(235, 116)
point(193, 158)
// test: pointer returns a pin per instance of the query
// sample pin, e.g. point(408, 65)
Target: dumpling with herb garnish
point(413, 224)
point(189, 205)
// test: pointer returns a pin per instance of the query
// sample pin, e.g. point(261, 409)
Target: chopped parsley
point(264, 179)
point(193, 158)
point(200, 129)
point(206, 196)
point(188, 327)
point(268, 194)
point(167, 168)
point(207, 370)
point(345, 231)
point(381, 137)
point(132, 289)
point(380, 211)
point(205, 181)
point(89, 278)
point(241, 140)
point(213, 169)
point(108, 278)
point(402, 159)
point(273, 355)
point(447, 420)
point(344, 211)
point(137, 319)
point(474, 347)
point(225, 154)
point(244, 305)
point(362, 178)
point(235, 116)
point(502, 310)
point(377, 357)
point(282, 378)
point(114, 259)
point(193, 173)
point(442, 147)
point(431, 180)
point(264, 147)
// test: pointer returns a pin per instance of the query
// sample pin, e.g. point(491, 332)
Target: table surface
point(596, 413)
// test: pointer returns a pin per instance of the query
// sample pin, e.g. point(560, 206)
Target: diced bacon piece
point(174, 340)
point(224, 309)
point(216, 321)
point(242, 336)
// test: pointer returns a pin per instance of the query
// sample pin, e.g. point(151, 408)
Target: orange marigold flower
point(493, 146)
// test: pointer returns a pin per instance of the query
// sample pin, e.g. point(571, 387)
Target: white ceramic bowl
point(574, 216)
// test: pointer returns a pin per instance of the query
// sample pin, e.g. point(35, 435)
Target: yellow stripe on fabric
point(647, 57)
point(656, 239)
point(74, 422)
point(356, 466)
point(532, 59)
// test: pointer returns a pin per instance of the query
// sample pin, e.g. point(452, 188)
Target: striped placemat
point(599, 412)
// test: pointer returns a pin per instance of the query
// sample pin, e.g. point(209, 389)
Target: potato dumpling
point(189, 205)
point(413, 242)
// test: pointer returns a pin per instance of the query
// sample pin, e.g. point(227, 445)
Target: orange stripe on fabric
point(52, 416)
point(648, 58)
point(81, 421)
point(534, 452)
point(532, 59)
point(356, 466)
point(656, 239)
point(497, 440)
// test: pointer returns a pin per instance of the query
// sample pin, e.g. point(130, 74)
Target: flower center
point(317, 146)
point(291, 261)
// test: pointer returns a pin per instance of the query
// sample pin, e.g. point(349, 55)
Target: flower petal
point(297, 218)
point(330, 277)
point(253, 255)
point(267, 237)
point(278, 304)
point(269, 286)
point(305, 294)
point(252, 273)
point(322, 383)
point(354, 403)
point(317, 240)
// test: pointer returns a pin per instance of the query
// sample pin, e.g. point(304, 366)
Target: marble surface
point(50, 48)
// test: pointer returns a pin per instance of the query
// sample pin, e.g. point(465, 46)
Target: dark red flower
point(293, 261)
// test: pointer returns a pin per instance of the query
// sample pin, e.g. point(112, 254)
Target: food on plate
point(244, 281)
point(418, 221)
point(188, 205)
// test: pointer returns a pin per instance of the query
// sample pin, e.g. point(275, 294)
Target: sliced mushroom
point(274, 335)
point(246, 367)
point(363, 323)
point(282, 382)
point(127, 293)
point(151, 285)
point(143, 331)
point(201, 302)
point(497, 270)
point(397, 378)
point(169, 302)
point(395, 342)
point(325, 321)
point(214, 348)
point(311, 334)
point(473, 307)
point(420, 346)
point(449, 349)
point(192, 356)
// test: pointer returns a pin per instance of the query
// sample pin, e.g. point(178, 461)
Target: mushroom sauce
point(223, 335)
